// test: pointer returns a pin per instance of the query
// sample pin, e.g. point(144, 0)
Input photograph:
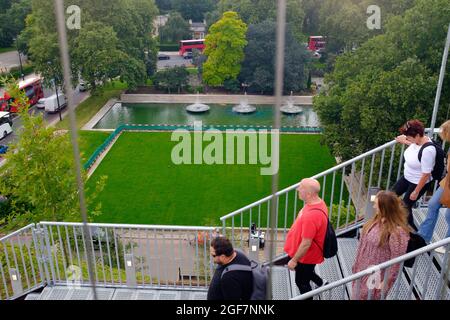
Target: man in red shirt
point(305, 239)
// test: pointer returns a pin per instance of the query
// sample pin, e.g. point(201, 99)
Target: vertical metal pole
point(441, 81)
point(279, 76)
point(64, 51)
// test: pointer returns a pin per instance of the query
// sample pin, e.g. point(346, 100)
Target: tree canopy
point(225, 45)
point(391, 78)
point(126, 24)
point(176, 29)
point(258, 68)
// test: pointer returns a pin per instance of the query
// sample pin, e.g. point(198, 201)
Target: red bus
point(33, 90)
point(188, 45)
point(316, 42)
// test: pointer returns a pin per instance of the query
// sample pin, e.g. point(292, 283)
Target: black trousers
point(304, 274)
point(403, 186)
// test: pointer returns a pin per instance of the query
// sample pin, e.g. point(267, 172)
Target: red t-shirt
point(311, 223)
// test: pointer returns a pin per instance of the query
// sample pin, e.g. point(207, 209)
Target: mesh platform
point(85, 293)
point(281, 285)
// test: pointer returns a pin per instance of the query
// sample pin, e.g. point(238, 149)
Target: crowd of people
point(383, 237)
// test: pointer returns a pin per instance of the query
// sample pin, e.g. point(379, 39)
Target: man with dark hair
point(234, 285)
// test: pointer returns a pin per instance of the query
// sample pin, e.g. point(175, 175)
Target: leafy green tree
point(391, 78)
point(164, 5)
point(256, 11)
point(131, 23)
point(12, 17)
point(175, 78)
point(225, 45)
point(258, 68)
point(176, 29)
point(193, 9)
point(39, 176)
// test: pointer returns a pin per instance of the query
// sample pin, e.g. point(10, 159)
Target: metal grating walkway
point(85, 293)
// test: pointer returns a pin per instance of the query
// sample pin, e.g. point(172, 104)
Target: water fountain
point(197, 107)
point(243, 107)
point(290, 108)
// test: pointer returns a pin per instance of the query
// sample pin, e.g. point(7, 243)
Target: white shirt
point(413, 168)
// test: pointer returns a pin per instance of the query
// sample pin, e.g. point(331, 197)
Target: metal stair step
point(281, 284)
point(427, 278)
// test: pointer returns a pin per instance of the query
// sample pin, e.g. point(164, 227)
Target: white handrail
point(373, 269)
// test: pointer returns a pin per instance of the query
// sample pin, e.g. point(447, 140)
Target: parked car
point(82, 86)
point(5, 124)
point(188, 55)
point(51, 103)
point(163, 56)
point(41, 103)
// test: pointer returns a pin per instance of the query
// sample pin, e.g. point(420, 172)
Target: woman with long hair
point(384, 237)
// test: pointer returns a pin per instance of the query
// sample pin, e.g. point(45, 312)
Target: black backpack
point(439, 164)
point(330, 246)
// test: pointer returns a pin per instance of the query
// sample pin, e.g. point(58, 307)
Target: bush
point(169, 47)
point(231, 85)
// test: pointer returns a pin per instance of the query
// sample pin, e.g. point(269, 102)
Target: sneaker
point(440, 250)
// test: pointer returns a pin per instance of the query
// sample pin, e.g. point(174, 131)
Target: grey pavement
point(175, 60)
point(10, 59)
point(209, 98)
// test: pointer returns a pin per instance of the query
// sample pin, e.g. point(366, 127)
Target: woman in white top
point(416, 178)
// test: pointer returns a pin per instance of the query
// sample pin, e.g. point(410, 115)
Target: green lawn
point(89, 141)
point(88, 108)
point(145, 187)
point(3, 50)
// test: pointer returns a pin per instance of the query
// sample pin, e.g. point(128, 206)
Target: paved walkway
point(208, 98)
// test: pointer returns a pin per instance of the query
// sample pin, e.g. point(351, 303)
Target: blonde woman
point(384, 237)
point(427, 227)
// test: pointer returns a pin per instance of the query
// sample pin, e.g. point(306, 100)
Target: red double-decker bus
point(188, 45)
point(33, 90)
point(316, 42)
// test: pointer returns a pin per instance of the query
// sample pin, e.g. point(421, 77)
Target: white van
point(5, 124)
point(51, 103)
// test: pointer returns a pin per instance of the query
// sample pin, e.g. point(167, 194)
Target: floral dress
point(370, 254)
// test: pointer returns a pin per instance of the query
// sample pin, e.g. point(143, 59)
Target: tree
point(97, 51)
point(12, 17)
point(164, 5)
point(172, 79)
point(391, 78)
point(257, 11)
point(176, 29)
point(258, 68)
point(193, 9)
point(130, 23)
point(224, 47)
point(39, 177)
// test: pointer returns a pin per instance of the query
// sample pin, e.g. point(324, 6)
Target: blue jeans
point(427, 227)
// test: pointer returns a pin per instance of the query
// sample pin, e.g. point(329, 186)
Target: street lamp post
point(56, 91)
point(20, 58)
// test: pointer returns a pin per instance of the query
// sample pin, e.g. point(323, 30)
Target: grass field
point(145, 187)
point(3, 50)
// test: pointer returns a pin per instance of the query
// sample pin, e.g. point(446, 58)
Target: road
point(175, 60)
point(49, 118)
point(10, 59)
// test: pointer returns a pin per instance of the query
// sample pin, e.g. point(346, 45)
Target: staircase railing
point(129, 256)
point(428, 279)
point(347, 189)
